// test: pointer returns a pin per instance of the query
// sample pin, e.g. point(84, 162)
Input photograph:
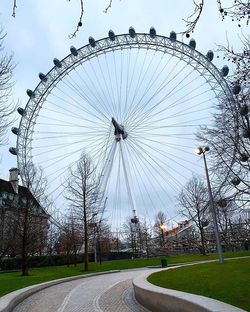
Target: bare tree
point(138, 236)
point(32, 230)
point(32, 221)
point(116, 242)
point(101, 240)
point(53, 235)
point(24, 222)
point(226, 210)
point(70, 239)
point(83, 196)
point(237, 10)
point(132, 232)
point(229, 142)
point(6, 72)
point(193, 19)
point(35, 181)
point(146, 237)
point(229, 137)
point(81, 14)
point(233, 223)
point(159, 228)
point(193, 201)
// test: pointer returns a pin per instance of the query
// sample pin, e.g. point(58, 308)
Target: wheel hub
point(119, 131)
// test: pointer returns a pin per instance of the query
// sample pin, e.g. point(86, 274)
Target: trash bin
point(164, 263)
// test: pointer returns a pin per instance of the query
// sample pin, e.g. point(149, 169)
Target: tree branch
point(193, 19)
point(108, 7)
point(79, 21)
point(237, 11)
point(14, 8)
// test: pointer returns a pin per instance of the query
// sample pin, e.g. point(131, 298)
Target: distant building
point(180, 239)
point(181, 230)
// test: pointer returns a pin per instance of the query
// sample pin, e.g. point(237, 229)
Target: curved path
point(107, 293)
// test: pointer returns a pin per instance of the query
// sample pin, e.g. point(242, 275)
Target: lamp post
point(97, 239)
point(202, 151)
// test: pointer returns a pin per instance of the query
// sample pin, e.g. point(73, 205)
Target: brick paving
point(120, 298)
point(106, 293)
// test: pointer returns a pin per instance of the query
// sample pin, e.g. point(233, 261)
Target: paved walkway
point(107, 293)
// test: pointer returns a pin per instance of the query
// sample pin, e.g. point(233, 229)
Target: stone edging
point(11, 300)
point(161, 299)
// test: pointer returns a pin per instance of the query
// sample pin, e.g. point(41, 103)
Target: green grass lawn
point(228, 282)
point(12, 281)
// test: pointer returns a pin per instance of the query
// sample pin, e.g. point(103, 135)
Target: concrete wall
point(158, 299)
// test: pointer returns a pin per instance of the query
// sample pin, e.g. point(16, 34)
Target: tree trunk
point(24, 254)
point(203, 249)
point(99, 245)
point(75, 252)
point(147, 249)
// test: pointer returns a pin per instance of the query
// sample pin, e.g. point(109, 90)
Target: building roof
point(6, 186)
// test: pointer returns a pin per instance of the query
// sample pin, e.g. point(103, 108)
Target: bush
point(8, 264)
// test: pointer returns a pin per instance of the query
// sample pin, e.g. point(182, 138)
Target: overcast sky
point(40, 31)
point(41, 28)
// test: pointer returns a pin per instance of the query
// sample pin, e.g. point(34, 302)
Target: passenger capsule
point(15, 130)
point(205, 223)
point(244, 157)
point(244, 110)
point(92, 42)
point(246, 133)
point(57, 63)
point(235, 181)
point(152, 32)
point(30, 93)
point(111, 35)
point(135, 220)
point(21, 111)
point(172, 36)
point(43, 77)
point(210, 55)
point(132, 32)
point(225, 70)
point(13, 150)
point(192, 43)
point(222, 202)
point(236, 89)
point(73, 51)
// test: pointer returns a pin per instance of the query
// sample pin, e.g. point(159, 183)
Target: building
point(182, 238)
point(22, 219)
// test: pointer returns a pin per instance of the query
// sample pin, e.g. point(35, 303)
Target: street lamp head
point(201, 150)
point(163, 227)
point(198, 150)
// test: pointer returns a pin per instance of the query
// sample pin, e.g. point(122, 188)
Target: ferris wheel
point(134, 103)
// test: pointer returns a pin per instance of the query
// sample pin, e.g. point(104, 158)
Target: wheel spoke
point(136, 106)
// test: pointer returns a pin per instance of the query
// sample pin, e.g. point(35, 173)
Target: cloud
point(40, 32)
